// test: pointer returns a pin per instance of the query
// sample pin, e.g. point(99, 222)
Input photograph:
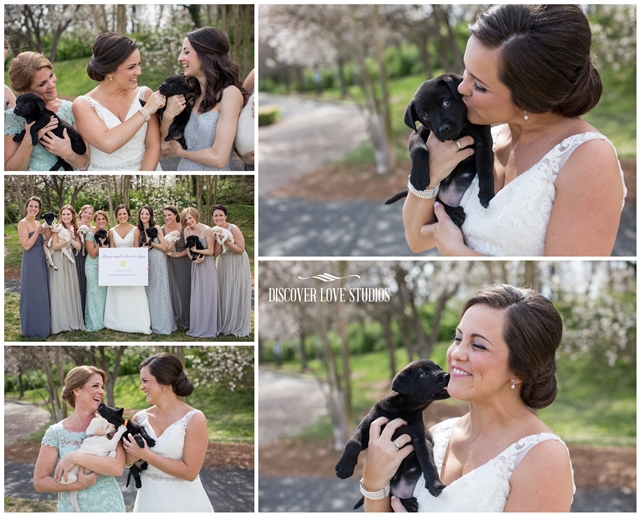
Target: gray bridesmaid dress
point(205, 300)
point(179, 272)
point(35, 319)
point(66, 312)
point(199, 133)
point(158, 293)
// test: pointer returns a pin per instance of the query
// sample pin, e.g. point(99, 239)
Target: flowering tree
point(226, 367)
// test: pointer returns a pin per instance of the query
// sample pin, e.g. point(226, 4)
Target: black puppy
point(102, 238)
point(148, 235)
point(32, 109)
point(194, 241)
point(114, 416)
point(176, 85)
point(49, 218)
point(438, 107)
point(415, 387)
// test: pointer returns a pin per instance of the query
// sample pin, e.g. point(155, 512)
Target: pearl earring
point(513, 384)
point(111, 78)
point(526, 117)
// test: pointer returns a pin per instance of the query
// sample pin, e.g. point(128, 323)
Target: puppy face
point(29, 106)
point(422, 381)
point(174, 85)
point(100, 426)
point(49, 217)
point(111, 414)
point(192, 241)
point(438, 106)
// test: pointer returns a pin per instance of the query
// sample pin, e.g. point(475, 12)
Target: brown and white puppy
point(415, 388)
point(439, 108)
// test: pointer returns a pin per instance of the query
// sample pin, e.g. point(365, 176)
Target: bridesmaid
point(179, 268)
point(234, 278)
point(158, 291)
point(205, 303)
point(35, 318)
point(96, 295)
point(85, 215)
point(66, 311)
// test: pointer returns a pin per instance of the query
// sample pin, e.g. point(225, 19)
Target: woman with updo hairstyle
point(31, 72)
point(558, 183)
point(500, 456)
point(216, 98)
point(35, 316)
point(171, 483)
point(122, 134)
point(97, 489)
point(179, 268)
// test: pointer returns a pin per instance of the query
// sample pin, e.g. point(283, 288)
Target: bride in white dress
point(171, 483)
point(122, 134)
point(126, 308)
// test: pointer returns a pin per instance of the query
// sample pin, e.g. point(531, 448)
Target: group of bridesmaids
point(207, 295)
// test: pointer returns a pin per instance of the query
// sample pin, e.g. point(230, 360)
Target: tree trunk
point(385, 319)
point(346, 365)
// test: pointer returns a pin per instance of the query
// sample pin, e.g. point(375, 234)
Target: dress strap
point(93, 103)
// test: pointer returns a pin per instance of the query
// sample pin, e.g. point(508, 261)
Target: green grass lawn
point(595, 406)
point(230, 415)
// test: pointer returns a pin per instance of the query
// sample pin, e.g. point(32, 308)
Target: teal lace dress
point(103, 496)
point(41, 158)
point(96, 295)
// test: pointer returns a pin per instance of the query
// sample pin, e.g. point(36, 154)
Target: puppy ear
point(403, 383)
point(452, 82)
point(41, 104)
point(410, 116)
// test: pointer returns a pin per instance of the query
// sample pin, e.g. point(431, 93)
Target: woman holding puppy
point(558, 183)
point(204, 319)
point(234, 278)
point(31, 72)
point(97, 490)
point(171, 483)
point(179, 267)
point(216, 99)
point(35, 318)
point(500, 456)
point(85, 215)
point(66, 307)
point(158, 293)
point(96, 295)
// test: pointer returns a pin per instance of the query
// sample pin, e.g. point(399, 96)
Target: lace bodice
point(130, 155)
point(517, 219)
point(170, 444)
point(41, 158)
point(200, 133)
point(486, 488)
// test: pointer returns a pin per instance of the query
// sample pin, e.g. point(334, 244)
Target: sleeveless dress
point(205, 300)
point(126, 308)
point(200, 133)
point(80, 258)
point(161, 492)
point(179, 272)
point(41, 158)
point(131, 154)
point(234, 278)
point(486, 488)
point(517, 219)
point(66, 308)
point(103, 496)
point(96, 295)
point(158, 293)
point(35, 316)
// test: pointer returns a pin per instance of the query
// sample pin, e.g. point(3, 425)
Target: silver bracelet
point(145, 114)
point(375, 495)
point(423, 194)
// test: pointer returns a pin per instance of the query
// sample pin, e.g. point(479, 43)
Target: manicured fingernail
point(436, 203)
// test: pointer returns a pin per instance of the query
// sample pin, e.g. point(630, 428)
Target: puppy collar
point(125, 422)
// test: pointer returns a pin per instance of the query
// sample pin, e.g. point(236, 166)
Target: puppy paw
point(411, 504)
point(344, 469)
point(435, 488)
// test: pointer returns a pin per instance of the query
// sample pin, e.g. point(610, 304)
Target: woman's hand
point(383, 456)
point(446, 235)
point(64, 466)
point(200, 258)
point(155, 102)
point(177, 148)
point(85, 479)
point(175, 106)
point(57, 146)
point(445, 156)
point(53, 123)
point(133, 449)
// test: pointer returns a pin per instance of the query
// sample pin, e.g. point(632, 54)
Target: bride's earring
point(111, 78)
point(513, 384)
point(526, 116)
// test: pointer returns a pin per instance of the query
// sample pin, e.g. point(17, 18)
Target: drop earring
point(513, 384)
point(526, 116)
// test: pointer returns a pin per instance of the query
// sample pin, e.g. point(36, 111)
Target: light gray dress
point(159, 293)
point(179, 272)
point(234, 279)
point(205, 300)
point(66, 310)
point(200, 133)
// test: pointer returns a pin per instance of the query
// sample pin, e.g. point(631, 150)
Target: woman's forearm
point(79, 161)
point(175, 468)
point(115, 138)
point(110, 466)
point(416, 213)
point(207, 157)
point(51, 485)
point(19, 161)
point(29, 243)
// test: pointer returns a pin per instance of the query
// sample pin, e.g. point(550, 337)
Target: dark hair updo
point(532, 331)
point(220, 207)
point(110, 50)
point(545, 58)
point(167, 369)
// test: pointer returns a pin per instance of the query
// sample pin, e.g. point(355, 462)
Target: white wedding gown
point(161, 492)
point(131, 154)
point(484, 489)
point(126, 308)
